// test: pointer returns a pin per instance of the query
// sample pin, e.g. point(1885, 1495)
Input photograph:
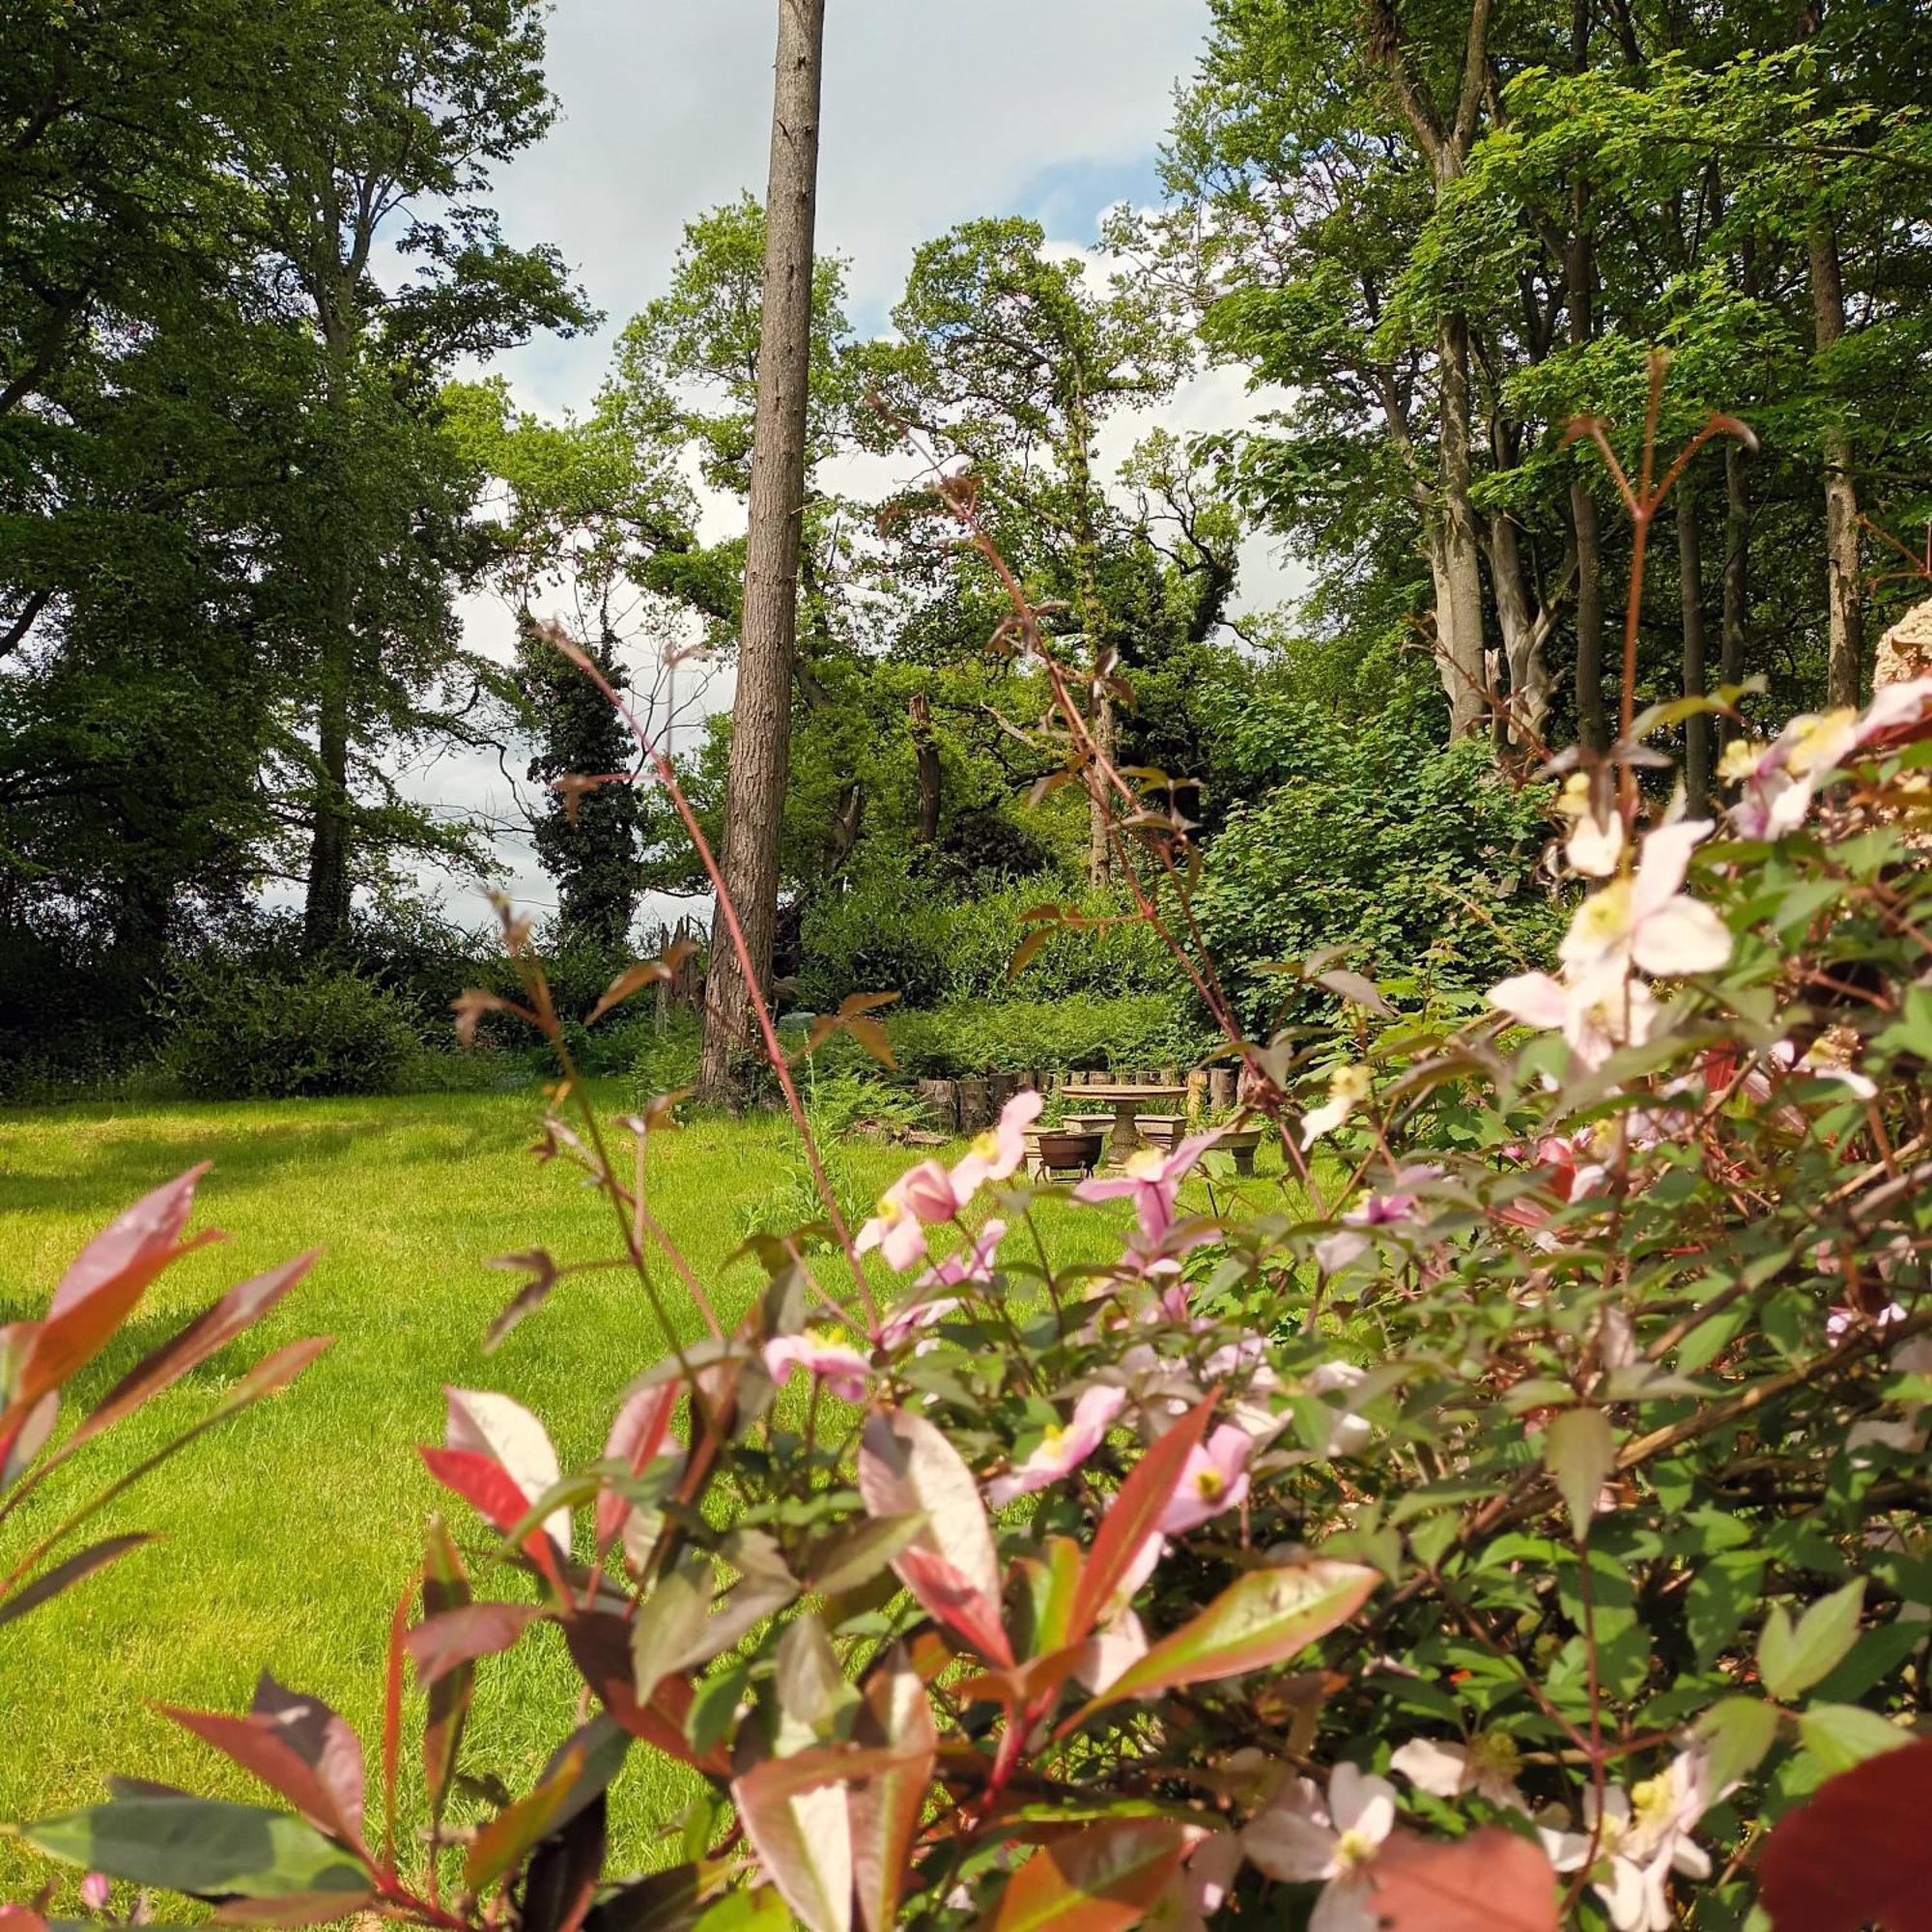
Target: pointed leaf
point(1791, 1660)
point(1264, 1619)
point(1132, 1516)
point(211, 1331)
point(493, 1424)
point(885, 1809)
point(796, 1814)
point(1102, 1879)
point(562, 1883)
point(446, 1591)
point(641, 1428)
point(108, 1278)
point(202, 1846)
point(83, 1563)
point(907, 1467)
point(1735, 1733)
point(1579, 1450)
point(489, 1488)
point(857, 1552)
point(440, 1644)
point(500, 1845)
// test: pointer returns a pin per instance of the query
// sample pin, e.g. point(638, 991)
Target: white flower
point(1643, 1835)
point(1642, 920)
point(1299, 1837)
point(1595, 839)
point(1347, 1089)
point(1596, 1011)
point(1487, 1766)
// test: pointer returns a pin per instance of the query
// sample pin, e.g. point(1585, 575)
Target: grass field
point(287, 1535)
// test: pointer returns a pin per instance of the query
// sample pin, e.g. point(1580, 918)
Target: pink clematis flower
point(1152, 1181)
point(919, 1199)
point(1062, 1449)
point(1640, 1839)
point(997, 1153)
point(1782, 778)
point(1215, 1478)
point(975, 1265)
point(842, 1369)
point(1351, 1241)
point(1642, 920)
point(1596, 1011)
point(1487, 1766)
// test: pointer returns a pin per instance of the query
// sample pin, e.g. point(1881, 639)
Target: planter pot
point(1241, 1143)
point(1162, 1132)
point(1067, 1149)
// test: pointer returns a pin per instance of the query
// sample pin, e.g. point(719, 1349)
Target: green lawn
point(288, 1534)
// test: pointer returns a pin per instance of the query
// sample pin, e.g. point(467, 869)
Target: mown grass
point(287, 1535)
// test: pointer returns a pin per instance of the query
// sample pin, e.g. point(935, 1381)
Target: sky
point(934, 111)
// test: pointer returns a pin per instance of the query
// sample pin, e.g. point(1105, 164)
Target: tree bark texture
point(928, 773)
point(1737, 569)
point(1459, 606)
point(1846, 614)
point(1690, 601)
point(326, 906)
point(761, 712)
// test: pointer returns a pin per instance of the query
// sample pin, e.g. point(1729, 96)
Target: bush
point(239, 1035)
point(892, 932)
point(1418, 859)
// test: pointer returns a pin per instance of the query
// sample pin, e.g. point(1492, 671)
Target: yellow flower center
point(987, 1145)
point(1353, 1851)
point(1209, 1484)
point(1144, 1164)
point(1495, 1755)
point(1650, 1805)
point(1606, 916)
point(1740, 760)
point(1574, 800)
point(890, 1210)
point(1816, 741)
point(1350, 1084)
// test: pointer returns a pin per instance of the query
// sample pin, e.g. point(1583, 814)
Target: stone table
point(1125, 1098)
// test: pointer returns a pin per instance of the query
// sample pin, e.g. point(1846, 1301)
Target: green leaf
point(1579, 1450)
point(1791, 1660)
point(1265, 1618)
point(499, 1848)
point(1737, 1732)
point(203, 1846)
point(1842, 1735)
point(857, 1552)
point(670, 1631)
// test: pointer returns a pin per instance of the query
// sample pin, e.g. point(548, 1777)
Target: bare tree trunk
point(761, 712)
point(1459, 603)
point(1690, 600)
point(928, 773)
point(1522, 637)
point(327, 901)
point(1737, 568)
point(1845, 616)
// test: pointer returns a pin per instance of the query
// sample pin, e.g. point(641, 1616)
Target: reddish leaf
point(211, 1331)
point(600, 1646)
point(946, 1595)
point(644, 973)
point(907, 1467)
point(885, 1808)
point(1132, 1516)
point(445, 1592)
point(83, 1563)
point(528, 1299)
point(17, 1919)
point(1102, 1879)
point(440, 1644)
point(637, 1436)
point(304, 1907)
point(108, 1277)
point(796, 1813)
point(562, 1883)
point(490, 1490)
point(272, 1374)
point(493, 1425)
point(470, 1006)
point(499, 1846)
point(392, 1723)
point(299, 1748)
point(1858, 1851)
point(1493, 1881)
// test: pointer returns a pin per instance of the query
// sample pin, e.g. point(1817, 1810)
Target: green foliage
point(1081, 1031)
point(1419, 860)
point(236, 1033)
point(895, 931)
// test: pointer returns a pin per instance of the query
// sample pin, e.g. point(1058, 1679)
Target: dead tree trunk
point(761, 713)
point(1845, 615)
point(928, 773)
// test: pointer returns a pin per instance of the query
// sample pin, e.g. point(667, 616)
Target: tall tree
point(761, 735)
point(1010, 358)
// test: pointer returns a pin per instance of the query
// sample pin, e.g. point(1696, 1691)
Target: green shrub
point(237, 1033)
point(1419, 860)
point(662, 1062)
point(892, 932)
